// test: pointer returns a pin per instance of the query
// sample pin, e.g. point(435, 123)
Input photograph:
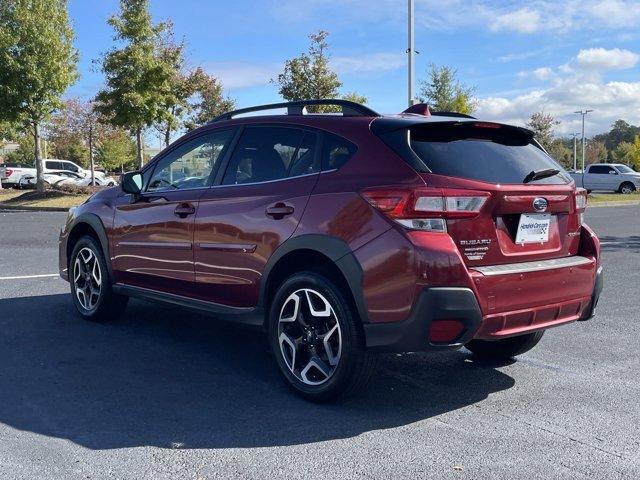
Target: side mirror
point(613, 172)
point(131, 182)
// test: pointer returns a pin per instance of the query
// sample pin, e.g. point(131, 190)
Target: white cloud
point(615, 13)
point(369, 63)
point(611, 100)
point(603, 59)
point(523, 20)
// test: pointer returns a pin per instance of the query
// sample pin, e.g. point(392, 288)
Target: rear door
point(256, 206)
point(522, 219)
point(153, 235)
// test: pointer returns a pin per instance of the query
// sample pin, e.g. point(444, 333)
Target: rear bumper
point(412, 334)
point(461, 304)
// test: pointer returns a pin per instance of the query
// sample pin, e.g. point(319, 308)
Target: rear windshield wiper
point(538, 174)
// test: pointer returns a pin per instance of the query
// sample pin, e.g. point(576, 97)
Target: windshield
point(625, 169)
point(487, 152)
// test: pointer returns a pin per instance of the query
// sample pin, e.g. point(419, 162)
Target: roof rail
point(349, 109)
point(452, 114)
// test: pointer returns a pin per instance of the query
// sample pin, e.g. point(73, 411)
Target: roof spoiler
point(423, 109)
point(419, 109)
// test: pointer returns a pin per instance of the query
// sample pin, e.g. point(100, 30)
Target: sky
point(521, 57)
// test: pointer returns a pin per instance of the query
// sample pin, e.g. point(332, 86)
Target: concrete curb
point(4, 206)
point(614, 204)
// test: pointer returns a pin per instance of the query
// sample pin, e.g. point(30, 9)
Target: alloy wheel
point(309, 336)
point(87, 278)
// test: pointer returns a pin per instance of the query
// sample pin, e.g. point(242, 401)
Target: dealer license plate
point(533, 228)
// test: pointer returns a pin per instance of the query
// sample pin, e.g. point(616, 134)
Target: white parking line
point(22, 277)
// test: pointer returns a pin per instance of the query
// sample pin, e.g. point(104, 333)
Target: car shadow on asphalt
point(165, 377)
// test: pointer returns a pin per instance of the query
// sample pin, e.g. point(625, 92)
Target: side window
point(599, 169)
point(191, 164)
point(336, 151)
point(50, 165)
point(69, 167)
point(271, 153)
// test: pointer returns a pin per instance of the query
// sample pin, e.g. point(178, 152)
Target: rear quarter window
point(336, 151)
point(491, 153)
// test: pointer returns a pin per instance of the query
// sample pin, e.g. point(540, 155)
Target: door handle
point(184, 210)
point(279, 210)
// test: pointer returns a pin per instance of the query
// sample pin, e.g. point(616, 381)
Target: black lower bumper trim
point(412, 335)
point(597, 290)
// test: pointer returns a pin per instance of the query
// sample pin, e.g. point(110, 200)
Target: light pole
point(410, 52)
point(575, 149)
point(584, 114)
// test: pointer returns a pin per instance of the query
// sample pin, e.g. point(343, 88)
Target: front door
point(258, 205)
point(153, 235)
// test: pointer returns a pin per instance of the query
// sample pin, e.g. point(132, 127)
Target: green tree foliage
point(24, 152)
point(623, 153)
point(139, 81)
point(309, 75)
point(37, 64)
point(176, 104)
point(559, 150)
point(595, 152)
point(116, 151)
point(355, 97)
point(443, 92)
point(542, 125)
point(208, 100)
point(68, 130)
point(621, 131)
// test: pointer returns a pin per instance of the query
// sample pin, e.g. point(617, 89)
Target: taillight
point(581, 203)
point(581, 199)
point(8, 172)
point(426, 209)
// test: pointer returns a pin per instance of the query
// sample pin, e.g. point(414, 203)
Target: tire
point(506, 348)
point(90, 283)
point(310, 316)
point(627, 188)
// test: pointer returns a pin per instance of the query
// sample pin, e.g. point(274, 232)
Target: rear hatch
point(524, 205)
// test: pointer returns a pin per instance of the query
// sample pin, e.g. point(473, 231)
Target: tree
point(559, 150)
point(355, 97)
point(209, 101)
point(69, 131)
point(542, 125)
point(24, 152)
point(138, 80)
point(444, 93)
point(176, 104)
point(116, 151)
point(309, 75)
point(37, 64)
point(623, 153)
point(595, 152)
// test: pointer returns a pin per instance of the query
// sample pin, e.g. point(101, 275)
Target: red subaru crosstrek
point(344, 236)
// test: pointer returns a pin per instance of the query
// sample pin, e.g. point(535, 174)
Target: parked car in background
point(66, 178)
point(608, 177)
point(11, 173)
point(28, 180)
point(345, 236)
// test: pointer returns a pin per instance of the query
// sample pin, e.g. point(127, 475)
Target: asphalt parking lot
point(164, 393)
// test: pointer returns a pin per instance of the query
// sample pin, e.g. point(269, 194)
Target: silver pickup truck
point(608, 177)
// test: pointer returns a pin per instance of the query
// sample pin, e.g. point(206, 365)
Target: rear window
point(490, 153)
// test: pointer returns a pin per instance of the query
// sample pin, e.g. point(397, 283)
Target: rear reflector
point(445, 331)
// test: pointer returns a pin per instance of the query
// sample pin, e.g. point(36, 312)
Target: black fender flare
point(97, 226)
point(338, 251)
